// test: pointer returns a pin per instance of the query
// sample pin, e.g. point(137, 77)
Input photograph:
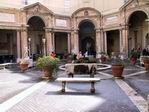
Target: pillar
point(72, 42)
point(53, 41)
point(69, 42)
point(48, 37)
point(98, 42)
point(105, 41)
point(18, 44)
point(125, 39)
point(24, 43)
point(44, 46)
point(76, 41)
point(121, 41)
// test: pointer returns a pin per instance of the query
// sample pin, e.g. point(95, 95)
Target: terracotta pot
point(146, 66)
point(117, 70)
point(103, 59)
point(146, 63)
point(145, 60)
point(133, 61)
point(23, 67)
point(47, 72)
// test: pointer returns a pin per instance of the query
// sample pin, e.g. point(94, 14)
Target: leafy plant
point(134, 54)
point(86, 60)
point(23, 61)
point(47, 61)
point(117, 61)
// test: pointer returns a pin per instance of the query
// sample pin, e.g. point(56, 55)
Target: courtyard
point(27, 92)
point(79, 43)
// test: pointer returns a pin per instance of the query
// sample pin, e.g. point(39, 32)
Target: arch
point(87, 37)
point(86, 20)
point(85, 8)
point(37, 17)
point(137, 28)
point(36, 36)
point(130, 15)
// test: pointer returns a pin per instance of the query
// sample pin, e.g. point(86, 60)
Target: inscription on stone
point(6, 17)
point(61, 22)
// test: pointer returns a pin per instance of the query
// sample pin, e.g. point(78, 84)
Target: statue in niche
point(36, 9)
point(85, 13)
point(88, 46)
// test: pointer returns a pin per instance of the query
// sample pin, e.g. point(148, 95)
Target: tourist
point(53, 54)
point(79, 55)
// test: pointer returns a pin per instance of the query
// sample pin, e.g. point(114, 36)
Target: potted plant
point(23, 63)
point(117, 68)
point(146, 62)
point(86, 60)
point(103, 57)
point(133, 56)
point(48, 64)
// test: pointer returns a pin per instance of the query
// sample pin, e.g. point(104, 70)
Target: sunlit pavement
point(34, 95)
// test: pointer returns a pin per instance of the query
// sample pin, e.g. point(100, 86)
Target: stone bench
point(81, 68)
point(4, 65)
point(82, 80)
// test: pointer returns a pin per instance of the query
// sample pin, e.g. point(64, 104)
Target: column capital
point(75, 30)
point(23, 30)
point(99, 29)
point(124, 26)
point(48, 30)
point(69, 33)
point(18, 30)
point(23, 27)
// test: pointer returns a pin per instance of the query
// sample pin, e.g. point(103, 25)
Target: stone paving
point(13, 82)
point(110, 96)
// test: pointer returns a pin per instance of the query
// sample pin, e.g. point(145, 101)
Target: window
point(125, 1)
point(67, 5)
point(25, 2)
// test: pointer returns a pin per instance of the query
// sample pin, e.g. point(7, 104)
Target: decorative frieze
point(7, 17)
point(61, 23)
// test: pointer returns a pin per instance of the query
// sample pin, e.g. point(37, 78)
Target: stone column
point(105, 41)
point(72, 41)
point(24, 43)
point(121, 40)
point(53, 41)
point(48, 37)
point(18, 44)
point(102, 40)
point(69, 42)
point(44, 46)
point(125, 39)
point(98, 42)
point(76, 41)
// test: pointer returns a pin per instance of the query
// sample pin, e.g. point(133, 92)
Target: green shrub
point(47, 61)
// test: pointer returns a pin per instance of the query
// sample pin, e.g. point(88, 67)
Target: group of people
point(86, 54)
point(138, 52)
point(145, 52)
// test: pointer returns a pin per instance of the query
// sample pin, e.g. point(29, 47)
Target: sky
point(33, 1)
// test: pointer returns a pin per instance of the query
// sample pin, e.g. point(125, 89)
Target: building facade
point(37, 29)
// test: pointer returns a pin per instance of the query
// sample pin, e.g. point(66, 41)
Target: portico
point(41, 31)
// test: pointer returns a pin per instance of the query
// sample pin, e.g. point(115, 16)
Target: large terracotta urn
point(48, 72)
point(117, 71)
point(23, 67)
point(146, 63)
